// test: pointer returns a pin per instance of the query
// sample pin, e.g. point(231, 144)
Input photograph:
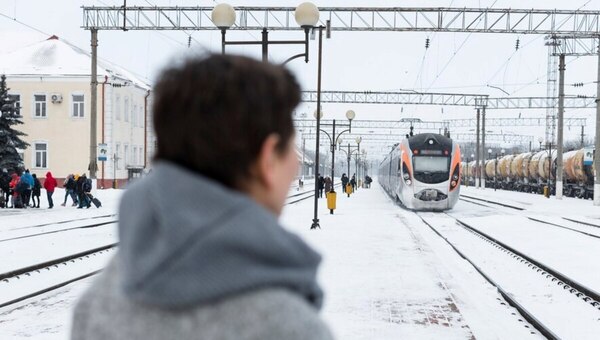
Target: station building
point(50, 80)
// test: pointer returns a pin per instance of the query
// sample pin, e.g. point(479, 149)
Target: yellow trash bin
point(348, 189)
point(331, 196)
point(547, 191)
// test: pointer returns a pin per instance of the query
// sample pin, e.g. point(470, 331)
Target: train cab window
point(431, 169)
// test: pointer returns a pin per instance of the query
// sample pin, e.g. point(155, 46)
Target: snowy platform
point(386, 274)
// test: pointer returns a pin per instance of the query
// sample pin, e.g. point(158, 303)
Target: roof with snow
point(55, 57)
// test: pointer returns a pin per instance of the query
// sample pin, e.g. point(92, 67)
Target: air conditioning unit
point(56, 97)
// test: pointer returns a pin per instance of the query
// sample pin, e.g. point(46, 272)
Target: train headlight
point(455, 177)
point(406, 174)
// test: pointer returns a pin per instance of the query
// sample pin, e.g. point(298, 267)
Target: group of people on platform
point(325, 183)
point(23, 190)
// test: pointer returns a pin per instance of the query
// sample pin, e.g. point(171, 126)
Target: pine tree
point(10, 139)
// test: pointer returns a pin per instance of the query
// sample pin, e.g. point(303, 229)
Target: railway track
point(307, 194)
point(95, 225)
point(27, 282)
point(491, 202)
point(553, 276)
point(473, 200)
point(63, 222)
point(31, 281)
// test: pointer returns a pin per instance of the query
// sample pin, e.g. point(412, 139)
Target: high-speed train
point(423, 172)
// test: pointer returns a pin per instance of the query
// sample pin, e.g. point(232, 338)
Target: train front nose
point(430, 195)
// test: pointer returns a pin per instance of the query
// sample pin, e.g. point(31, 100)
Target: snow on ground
point(48, 316)
point(385, 275)
point(384, 281)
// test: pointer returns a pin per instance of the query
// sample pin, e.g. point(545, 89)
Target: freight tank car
point(531, 172)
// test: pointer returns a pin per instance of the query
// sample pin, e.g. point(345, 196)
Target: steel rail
point(58, 231)
point(15, 273)
point(537, 324)
point(574, 287)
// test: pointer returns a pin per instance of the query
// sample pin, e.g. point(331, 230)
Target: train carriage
point(423, 172)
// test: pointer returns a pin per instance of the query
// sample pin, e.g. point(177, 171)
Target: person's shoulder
point(264, 314)
point(275, 313)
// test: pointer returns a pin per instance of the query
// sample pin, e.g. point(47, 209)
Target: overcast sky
point(455, 62)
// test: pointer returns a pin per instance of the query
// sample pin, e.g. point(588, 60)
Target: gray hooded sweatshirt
point(199, 261)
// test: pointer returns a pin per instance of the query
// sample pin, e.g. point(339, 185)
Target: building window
point(41, 155)
point(118, 155)
point(39, 101)
point(126, 109)
point(135, 155)
point(16, 99)
point(126, 154)
point(78, 105)
point(134, 115)
point(118, 107)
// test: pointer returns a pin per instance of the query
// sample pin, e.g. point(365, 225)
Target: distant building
point(51, 82)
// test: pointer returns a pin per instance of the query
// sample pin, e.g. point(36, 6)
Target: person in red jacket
point(49, 185)
point(13, 189)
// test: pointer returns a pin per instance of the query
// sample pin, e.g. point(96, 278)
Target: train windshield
point(431, 169)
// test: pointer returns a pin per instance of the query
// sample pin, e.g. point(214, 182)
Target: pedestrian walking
point(327, 185)
point(5, 186)
point(36, 192)
point(353, 183)
point(70, 186)
point(83, 186)
point(27, 185)
point(321, 184)
point(50, 184)
point(15, 198)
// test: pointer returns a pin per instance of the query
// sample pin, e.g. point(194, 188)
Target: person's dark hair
point(213, 114)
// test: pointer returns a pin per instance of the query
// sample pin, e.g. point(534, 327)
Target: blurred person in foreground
point(202, 255)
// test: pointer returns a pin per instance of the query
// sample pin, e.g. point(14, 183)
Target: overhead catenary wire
point(428, 42)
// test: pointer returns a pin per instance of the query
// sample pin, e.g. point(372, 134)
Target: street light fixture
point(306, 15)
point(335, 139)
point(353, 149)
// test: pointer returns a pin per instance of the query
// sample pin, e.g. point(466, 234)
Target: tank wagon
point(532, 171)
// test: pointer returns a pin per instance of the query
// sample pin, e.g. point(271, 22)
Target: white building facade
point(51, 82)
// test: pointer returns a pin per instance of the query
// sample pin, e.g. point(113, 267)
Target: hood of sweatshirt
point(186, 240)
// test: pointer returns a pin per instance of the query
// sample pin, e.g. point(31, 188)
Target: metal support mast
point(477, 152)
point(597, 143)
point(482, 149)
point(559, 142)
point(93, 166)
point(551, 91)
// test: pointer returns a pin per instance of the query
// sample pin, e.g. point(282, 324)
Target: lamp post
point(349, 153)
point(333, 139)
point(306, 15)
